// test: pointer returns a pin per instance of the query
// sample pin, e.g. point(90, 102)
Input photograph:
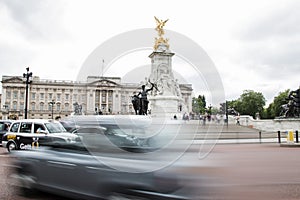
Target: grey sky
point(253, 44)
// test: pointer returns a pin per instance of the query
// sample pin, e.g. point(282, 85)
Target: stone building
point(56, 98)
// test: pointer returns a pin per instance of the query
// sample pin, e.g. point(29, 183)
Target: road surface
point(234, 171)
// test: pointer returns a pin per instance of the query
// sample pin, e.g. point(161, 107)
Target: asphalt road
point(253, 171)
point(234, 171)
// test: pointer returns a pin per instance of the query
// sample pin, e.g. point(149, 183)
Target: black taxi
point(29, 133)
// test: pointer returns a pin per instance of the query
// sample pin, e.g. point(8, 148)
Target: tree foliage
point(280, 100)
point(199, 104)
point(249, 103)
point(275, 108)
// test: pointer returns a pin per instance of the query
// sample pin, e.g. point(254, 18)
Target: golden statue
point(160, 24)
point(159, 28)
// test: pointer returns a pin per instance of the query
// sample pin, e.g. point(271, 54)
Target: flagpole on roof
point(102, 68)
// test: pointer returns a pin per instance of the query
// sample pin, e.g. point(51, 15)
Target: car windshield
point(122, 130)
point(55, 127)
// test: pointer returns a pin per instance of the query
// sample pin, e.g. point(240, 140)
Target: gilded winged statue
point(160, 25)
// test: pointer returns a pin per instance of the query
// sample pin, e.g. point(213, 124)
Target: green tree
point(234, 104)
point(275, 108)
point(215, 110)
point(268, 112)
point(280, 100)
point(249, 103)
point(199, 104)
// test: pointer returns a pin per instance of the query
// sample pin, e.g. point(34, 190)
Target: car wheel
point(11, 146)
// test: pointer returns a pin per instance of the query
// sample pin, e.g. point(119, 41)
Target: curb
point(290, 145)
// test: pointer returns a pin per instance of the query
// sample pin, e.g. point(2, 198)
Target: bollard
point(279, 137)
point(297, 139)
point(290, 137)
point(259, 134)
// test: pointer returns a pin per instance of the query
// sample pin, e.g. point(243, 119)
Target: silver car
point(72, 171)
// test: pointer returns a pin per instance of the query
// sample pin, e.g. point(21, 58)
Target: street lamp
point(52, 105)
point(27, 75)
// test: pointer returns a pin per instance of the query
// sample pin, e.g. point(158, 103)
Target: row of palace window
point(41, 107)
point(58, 98)
point(15, 94)
point(42, 96)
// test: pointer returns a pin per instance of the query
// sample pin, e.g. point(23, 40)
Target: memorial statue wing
point(157, 20)
point(165, 22)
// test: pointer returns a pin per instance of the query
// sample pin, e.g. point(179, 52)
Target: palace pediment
point(104, 83)
point(14, 79)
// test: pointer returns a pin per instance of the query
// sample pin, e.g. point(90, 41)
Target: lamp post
point(27, 75)
point(52, 105)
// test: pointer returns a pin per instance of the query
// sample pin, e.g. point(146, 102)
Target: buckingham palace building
point(50, 99)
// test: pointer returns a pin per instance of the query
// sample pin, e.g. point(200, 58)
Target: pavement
point(232, 133)
point(256, 171)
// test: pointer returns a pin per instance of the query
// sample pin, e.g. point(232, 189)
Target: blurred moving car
point(102, 164)
point(71, 171)
point(107, 131)
point(68, 125)
point(4, 126)
point(29, 133)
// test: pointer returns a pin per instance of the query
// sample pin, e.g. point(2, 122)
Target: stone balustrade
point(270, 125)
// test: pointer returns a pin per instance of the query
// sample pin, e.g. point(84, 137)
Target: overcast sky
point(254, 44)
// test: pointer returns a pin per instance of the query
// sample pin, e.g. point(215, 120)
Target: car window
point(25, 127)
point(38, 127)
point(15, 127)
point(55, 127)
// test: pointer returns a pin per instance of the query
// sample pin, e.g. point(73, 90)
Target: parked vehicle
point(29, 133)
point(4, 126)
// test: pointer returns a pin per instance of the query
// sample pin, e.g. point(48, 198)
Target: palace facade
point(49, 99)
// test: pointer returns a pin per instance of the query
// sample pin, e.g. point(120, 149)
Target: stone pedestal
point(166, 99)
point(164, 106)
